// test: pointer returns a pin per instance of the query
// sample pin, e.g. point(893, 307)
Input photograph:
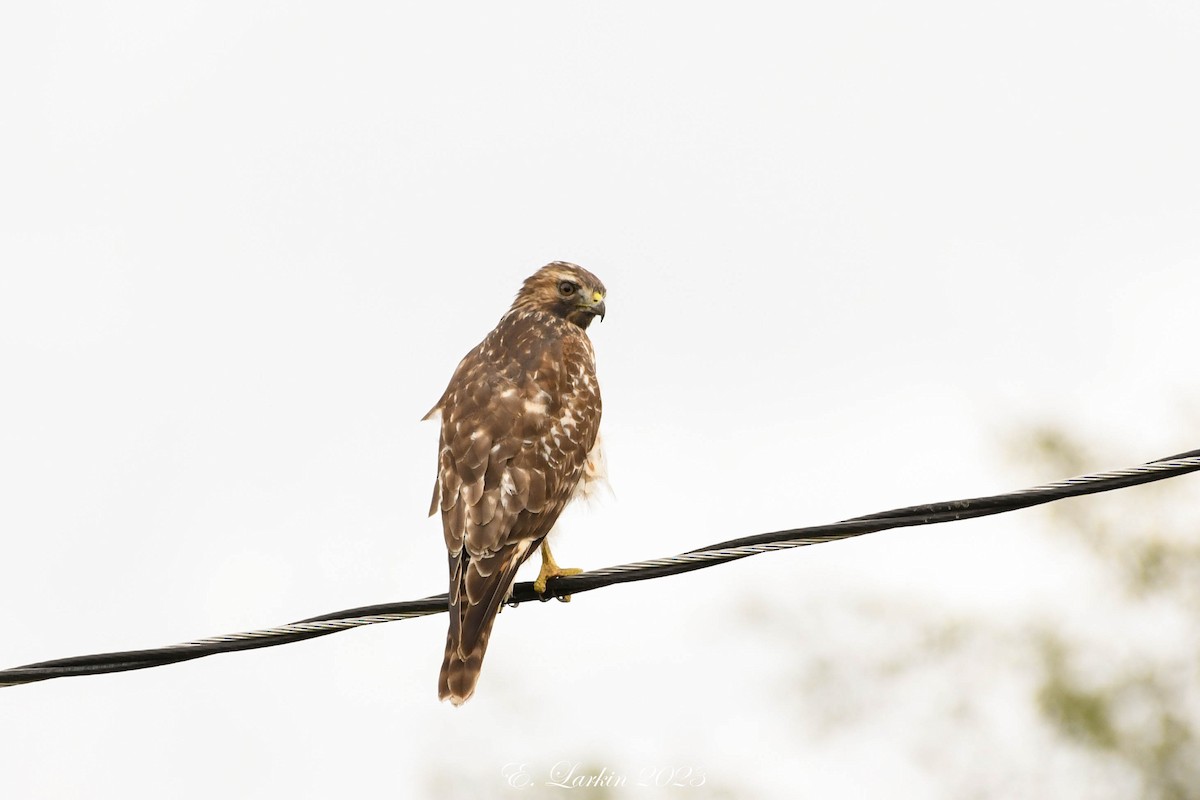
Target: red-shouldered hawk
point(518, 441)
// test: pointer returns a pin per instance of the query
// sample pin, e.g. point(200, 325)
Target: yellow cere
point(597, 297)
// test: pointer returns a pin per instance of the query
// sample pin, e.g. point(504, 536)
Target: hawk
point(519, 424)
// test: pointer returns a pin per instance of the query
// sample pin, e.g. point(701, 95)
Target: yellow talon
point(550, 569)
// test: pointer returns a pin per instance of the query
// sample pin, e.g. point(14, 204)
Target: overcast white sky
point(848, 246)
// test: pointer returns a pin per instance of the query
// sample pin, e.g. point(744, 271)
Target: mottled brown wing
point(518, 420)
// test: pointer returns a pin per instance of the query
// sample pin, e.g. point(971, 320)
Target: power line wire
point(720, 553)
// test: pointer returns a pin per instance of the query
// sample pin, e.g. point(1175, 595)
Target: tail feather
point(484, 591)
point(459, 675)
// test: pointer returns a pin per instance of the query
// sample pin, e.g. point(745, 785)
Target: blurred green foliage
point(1142, 708)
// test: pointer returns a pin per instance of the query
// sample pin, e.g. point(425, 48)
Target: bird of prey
point(519, 425)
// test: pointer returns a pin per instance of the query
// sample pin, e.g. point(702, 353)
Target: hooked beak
point(595, 307)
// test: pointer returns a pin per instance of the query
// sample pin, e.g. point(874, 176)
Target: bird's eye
point(566, 288)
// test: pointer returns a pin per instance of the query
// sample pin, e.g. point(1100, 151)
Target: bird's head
point(565, 290)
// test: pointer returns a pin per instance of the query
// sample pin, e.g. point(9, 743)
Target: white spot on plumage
point(595, 476)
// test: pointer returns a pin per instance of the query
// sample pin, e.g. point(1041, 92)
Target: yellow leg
point(551, 569)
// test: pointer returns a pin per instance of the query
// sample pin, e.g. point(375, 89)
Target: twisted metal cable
point(720, 553)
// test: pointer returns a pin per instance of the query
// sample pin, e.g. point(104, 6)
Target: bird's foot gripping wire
point(551, 569)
